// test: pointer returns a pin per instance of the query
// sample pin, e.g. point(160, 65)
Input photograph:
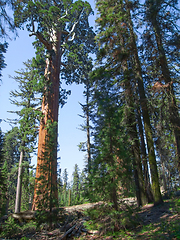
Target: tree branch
point(40, 37)
point(64, 15)
point(47, 44)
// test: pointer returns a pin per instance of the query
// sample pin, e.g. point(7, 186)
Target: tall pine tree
point(26, 97)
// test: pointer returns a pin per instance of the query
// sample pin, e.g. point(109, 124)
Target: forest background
point(132, 102)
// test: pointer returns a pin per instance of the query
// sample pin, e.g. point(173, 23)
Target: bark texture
point(19, 182)
point(148, 189)
point(147, 126)
point(46, 171)
point(135, 147)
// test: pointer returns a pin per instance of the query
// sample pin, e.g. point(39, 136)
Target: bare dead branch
point(64, 15)
point(71, 33)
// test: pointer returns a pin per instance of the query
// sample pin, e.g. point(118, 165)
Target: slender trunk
point(148, 189)
point(147, 126)
point(7, 198)
point(47, 146)
point(19, 181)
point(173, 108)
point(131, 123)
point(113, 191)
point(113, 194)
point(164, 176)
point(136, 180)
point(88, 129)
point(69, 198)
point(163, 158)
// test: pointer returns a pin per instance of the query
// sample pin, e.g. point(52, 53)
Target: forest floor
point(100, 221)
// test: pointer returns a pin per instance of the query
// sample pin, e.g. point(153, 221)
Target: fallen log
point(24, 216)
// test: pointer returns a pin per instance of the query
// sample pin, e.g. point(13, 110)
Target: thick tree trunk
point(147, 126)
point(19, 182)
point(46, 171)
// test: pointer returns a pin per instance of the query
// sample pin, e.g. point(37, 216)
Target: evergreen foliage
point(55, 25)
point(76, 186)
point(131, 108)
point(119, 54)
point(27, 98)
point(3, 177)
point(11, 156)
point(110, 162)
point(3, 49)
point(6, 22)
point(6, 27)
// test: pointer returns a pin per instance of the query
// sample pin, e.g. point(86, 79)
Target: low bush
point(107, 220)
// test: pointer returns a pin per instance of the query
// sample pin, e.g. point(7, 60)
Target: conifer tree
point(162, 19)
point(75, 186)
point(6, 27)
point(132, 131)
point(145, 113)
point(82, 186)
point(144, 157)
point(112, 26)
point(11, 158)
point(59, 186)
point(109, 160)
point(87, 110)
point(3, 49)
point(6, 22)
point(26, 98)
point(65, 187)
point(54, 24)
point(3, 177)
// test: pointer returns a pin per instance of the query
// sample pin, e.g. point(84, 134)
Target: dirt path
point(73, 224)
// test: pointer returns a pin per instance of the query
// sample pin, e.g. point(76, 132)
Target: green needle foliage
point(6, 22)
point(119, 54)
point(110, 160)
point(3, 49)
point(11, 154)
point(27, 97)
point(6, 28)
point(62, 28)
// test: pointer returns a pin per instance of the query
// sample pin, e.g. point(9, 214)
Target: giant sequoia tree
point(55, 25)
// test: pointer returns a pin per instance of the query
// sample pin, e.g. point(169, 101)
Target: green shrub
point(10, 228)
point(107, 220)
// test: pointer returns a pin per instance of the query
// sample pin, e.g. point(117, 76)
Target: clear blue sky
point(69, 135)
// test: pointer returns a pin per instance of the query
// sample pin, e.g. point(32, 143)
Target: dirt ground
point(147, 214)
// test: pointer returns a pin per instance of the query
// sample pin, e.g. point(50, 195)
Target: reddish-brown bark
point(47, 153)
